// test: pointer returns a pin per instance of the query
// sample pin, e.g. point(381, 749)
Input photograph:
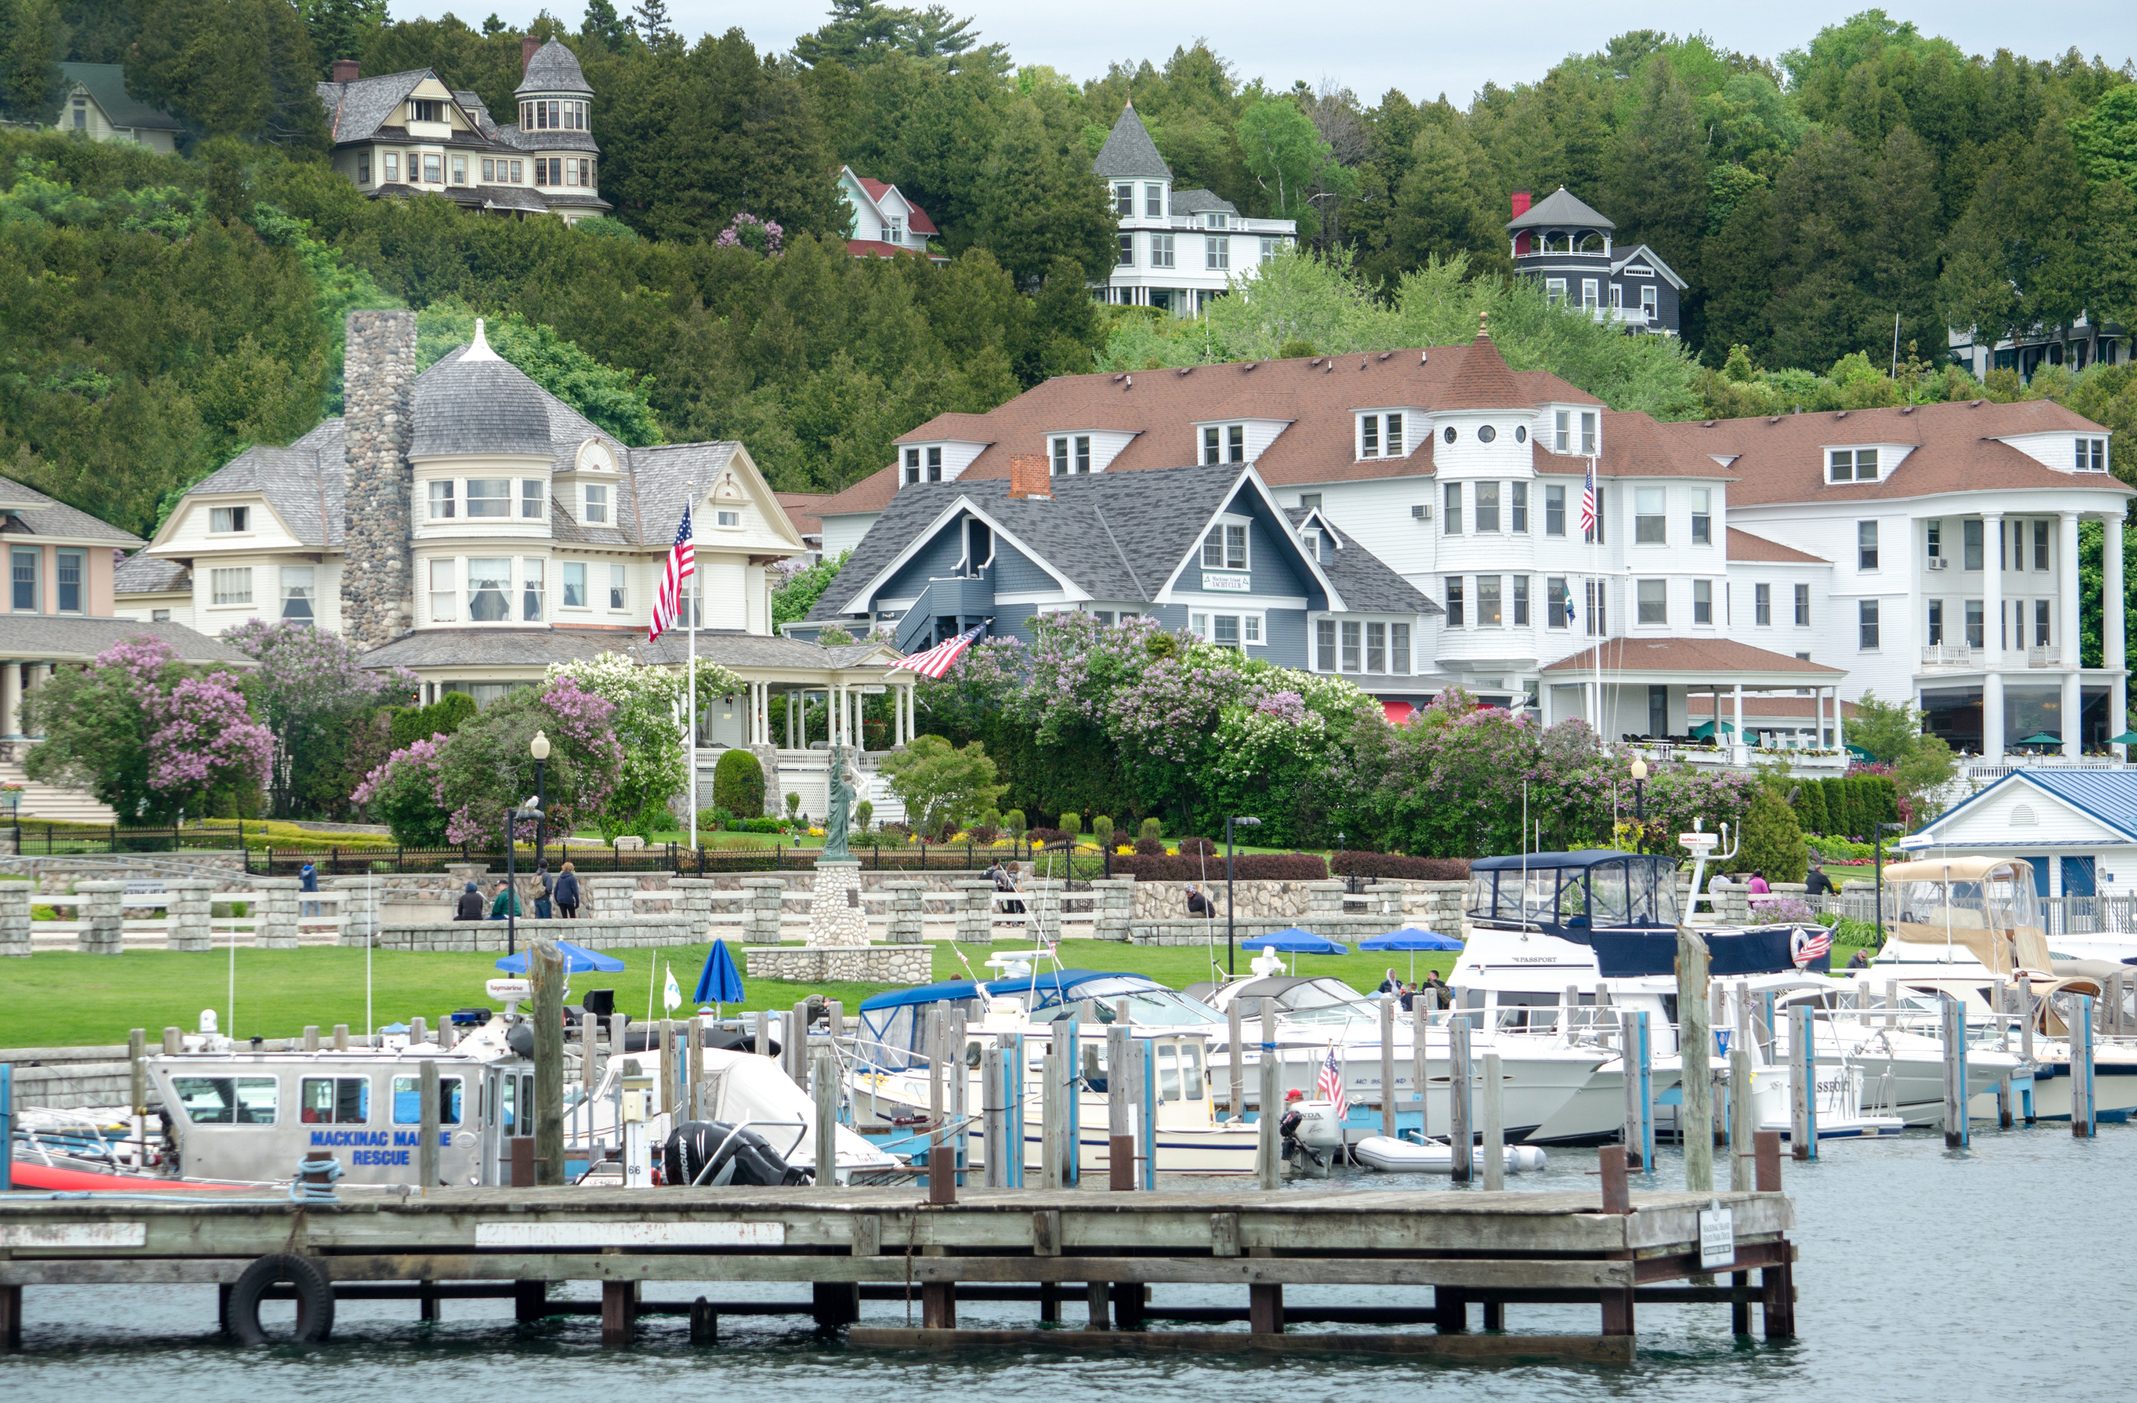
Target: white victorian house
point(883, 221)
point(467, 525)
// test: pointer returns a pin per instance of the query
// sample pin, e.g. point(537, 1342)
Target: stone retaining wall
point(821, 964)
point(490, 935)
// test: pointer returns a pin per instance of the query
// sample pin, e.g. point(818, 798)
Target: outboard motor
point(735, 1156)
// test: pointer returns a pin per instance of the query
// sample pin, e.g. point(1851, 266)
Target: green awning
point(2126, 738)
point(2041, 738)
point(1706, 728)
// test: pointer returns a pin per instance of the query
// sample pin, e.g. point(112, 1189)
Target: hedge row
point(1246, 867)
point(1385, 866)
point(1846, 807)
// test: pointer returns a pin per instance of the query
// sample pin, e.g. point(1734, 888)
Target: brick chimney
point(346, 70)
point(1521, 207)
point(527, 46)
point(378, 422)
point(1028, 476)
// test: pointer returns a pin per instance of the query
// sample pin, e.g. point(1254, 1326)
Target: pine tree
point(343, 28)
point(1655, 171)
point(604, 26)
point(1772, 842)
point(30, 40)
point(650, 18)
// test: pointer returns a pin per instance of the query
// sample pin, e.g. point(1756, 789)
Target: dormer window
point(1216, 219)
point(596, 499)
point(727, 519)
point(1225, 547)
point(1850, 465)
point(1573, 431)
point(425, 109)
point(1310, 538)
point(923, 465)
point(1071, 454)
point(1224, 443)
point(2092, 455)
point(1381, 435)
point(229, 521)
point(897, 229)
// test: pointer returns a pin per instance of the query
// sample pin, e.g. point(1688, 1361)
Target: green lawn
point(63, 998)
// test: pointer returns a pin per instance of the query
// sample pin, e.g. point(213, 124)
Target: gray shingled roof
point(1561, 208)
point(553, 69)
point(1117, 537)
point(539, 647)
point(1129, 153)
point(355, 111)
point(1200, 201)
point(41, 515)
point(106, 83)
point(1365, 581)
point(67, 639)
point(520, 139)
point(303, 483)
point(141, 573)
point(478, 404)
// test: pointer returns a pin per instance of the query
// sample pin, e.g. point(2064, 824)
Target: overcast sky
point(1370, 46)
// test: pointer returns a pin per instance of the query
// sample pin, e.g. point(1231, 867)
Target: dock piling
point(1695, 1048)
point(1459, 1081)
point(1740, 1117)
point(942, 1175)
point(1235, 1106)
point(1637, 1047)
point(1121, 1085)
point(824, 1086)
point(1420, 1068)
point(1387, 1065)
point(1268, 1145)
point(1954, 1032)
point(992, 1117)
point(429, 1116)
point(1803, 1084)
point(1494, 1126)
point(2084, 1119)
point(546, 964)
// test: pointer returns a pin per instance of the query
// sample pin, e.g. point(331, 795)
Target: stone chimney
point(378, 381)
point(1028, 476)
point(528, 45)
point(346, 70)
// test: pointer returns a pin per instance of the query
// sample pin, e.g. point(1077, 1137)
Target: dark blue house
point(1566, 245)
point(1202, 549)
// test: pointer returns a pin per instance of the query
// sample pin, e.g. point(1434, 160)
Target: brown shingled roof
point(1955, 448)
point(1715, 657)
point(1161, 407)
point(805, 510)
point(1484, 381)
point(1747, 547)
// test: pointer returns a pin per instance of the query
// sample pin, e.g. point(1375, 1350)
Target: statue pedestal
point(836, 915)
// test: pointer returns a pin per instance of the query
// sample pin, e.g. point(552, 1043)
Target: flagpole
point(1598, 609)
point(690, 739)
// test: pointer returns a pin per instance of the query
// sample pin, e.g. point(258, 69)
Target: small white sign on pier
point(32, 1235)
point(630, 1234)
point(1717, 1237)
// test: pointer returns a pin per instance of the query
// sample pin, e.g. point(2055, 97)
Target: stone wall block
point(102, 913)
point(277, 913)
point(14, 918)
point(189, 910)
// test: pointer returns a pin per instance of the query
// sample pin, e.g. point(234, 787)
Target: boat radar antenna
point(1703, 846)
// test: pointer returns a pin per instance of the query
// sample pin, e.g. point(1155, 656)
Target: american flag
point(1811, 944)
point(1330, 1085)
point(939, 659)
point(668, 599)
point(1587, 502)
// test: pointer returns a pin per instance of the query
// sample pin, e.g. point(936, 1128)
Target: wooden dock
point(1414, 1259)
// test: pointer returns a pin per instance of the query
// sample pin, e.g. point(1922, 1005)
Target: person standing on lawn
point(567, 892)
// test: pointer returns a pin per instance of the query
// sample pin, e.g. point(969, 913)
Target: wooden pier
point(1414, 1259)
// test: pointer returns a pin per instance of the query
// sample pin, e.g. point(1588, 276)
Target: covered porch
point(1710, 701)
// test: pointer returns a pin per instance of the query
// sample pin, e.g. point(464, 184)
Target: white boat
point(1402, 1154)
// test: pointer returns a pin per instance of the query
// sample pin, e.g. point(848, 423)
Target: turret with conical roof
point(555, 103)
point(1129, 153)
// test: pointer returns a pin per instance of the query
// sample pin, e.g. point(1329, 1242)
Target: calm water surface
point(1923, 1275)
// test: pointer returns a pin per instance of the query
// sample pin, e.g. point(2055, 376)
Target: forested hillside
point(156, 313)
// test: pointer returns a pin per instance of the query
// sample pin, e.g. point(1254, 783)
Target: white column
point(40, 673)
point(1993, 624)
point(1741, 751)
point(11, 697)
point(1840, 733)
point(2066, 575)
point(2114, 652)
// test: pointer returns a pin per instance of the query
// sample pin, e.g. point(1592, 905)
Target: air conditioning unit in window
point(1422, 511)
point(1937, 562)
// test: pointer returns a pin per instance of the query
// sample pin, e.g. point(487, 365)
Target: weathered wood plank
point(1495, 1349)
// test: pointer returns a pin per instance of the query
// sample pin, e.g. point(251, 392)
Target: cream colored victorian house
point(467, 525)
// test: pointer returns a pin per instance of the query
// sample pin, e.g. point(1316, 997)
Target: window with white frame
point(1226, 630)
point(1866, 625)
point(1975, 629)
point(1382, 435)
point(1650, 516)
point(1653, 599)
point(1518, 511)
point(923, 465)
point(230, 586)
point(1803, 606)
point(299, 590)
point(392, 168)
point(444, 592)
point(1573, 431)
point(596, 504)
point(1702, 601)
point(1851, 465)
point(1491, 601)
point(1487, 506)
point(1590, 297)
point(533, 499)
point(489, 589)
point(1225, 548)
point(1521, 601)
point(1224, 443)
point(619, 587)
point(1123, 198)
point(1217, 252)
point(1554, 291)
point(1071, 454)
point(491, 497)
point(1596, 594)
point(726, 519)
point(1451, 509)
point(1554, 509)
point(1126, 256)
point(2092, 455)
point(1702, 516)
point(1762, 605)
point(1456, 602)
point(441, 500)
point(1153, 201)
point(1161, 250)
point(574, 584)
point(1556, 598)
point(229, 521)
point(1650, 301)
point(1866, 545)
point(532, 570)
point(2040, 545)
point(1934, 634)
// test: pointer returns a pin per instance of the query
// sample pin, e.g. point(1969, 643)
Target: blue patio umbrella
point(719, 982)
point(1412, 939)
point(577, 960)
point(1293, 942)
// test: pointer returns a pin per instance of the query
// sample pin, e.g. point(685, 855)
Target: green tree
point(31, 42)
point(793, 600)
point(1885, 731)
point(1655, 171)
point(1772, 843)
point(604, 26)
point(1039, 202)
point(738, 784)
point(1289, 160)
point(342, 28)
point(941, 784)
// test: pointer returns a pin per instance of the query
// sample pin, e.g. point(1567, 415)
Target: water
point(1923, 1275)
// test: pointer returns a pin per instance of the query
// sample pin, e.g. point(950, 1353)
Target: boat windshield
point(1147, 1007)
point(2001, 900)
point(1595, 890)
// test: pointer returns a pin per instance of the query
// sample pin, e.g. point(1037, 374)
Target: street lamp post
point(539, 749)
point(513, 819)
point(1231, 951)
point(1639, 801)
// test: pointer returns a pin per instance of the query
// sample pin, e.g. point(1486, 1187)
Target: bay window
point(489, 497)
point(444, 592)
point(489, 589)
